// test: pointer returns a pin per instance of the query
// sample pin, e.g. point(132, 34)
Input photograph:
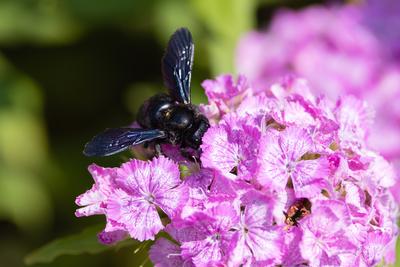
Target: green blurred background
point(70, 68)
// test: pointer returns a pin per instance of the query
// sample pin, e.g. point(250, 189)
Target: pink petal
point(310, 249)
point(138, 216)
point(308, 177)
point(355, 119)
point(172, 200)
point(264, 244)
point(165, 173)
point(272, 171)
point(239, 251)
point(109, 238)
point(164, 253)
point(296, 114)
point(383, 172)
point(94, 198)
point(223, 87)
point(143, 177)
point(218, 152)
point(295, 142)
point(374, 247)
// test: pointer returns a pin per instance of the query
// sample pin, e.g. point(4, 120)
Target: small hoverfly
point(164, 118)
point(297, 211)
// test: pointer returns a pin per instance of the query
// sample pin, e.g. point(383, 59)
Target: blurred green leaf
point(24, 200)
point(21, 126)
point(101, 12)
point(22, 140)
point(274, 2)
point(171, 15)
point(38, 21)
point(137, 93)
point(18, 90)
point(23, 152)
point(226, 20)
point(397, 263)
point(84, 242)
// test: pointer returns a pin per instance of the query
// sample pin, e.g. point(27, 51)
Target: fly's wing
point(177, 65)
point(116, 140)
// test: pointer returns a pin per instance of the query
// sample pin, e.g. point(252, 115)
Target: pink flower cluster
point(283, 178)
point(350, 49)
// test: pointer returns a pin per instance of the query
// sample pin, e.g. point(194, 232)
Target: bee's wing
point(115, 140)
point(177, 65)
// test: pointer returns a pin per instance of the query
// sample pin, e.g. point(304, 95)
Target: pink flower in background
point(349, 49)
point(382, 18)
point(328, 46)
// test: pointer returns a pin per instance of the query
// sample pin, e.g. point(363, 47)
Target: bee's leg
point(189, 155)
point(157, 147)
point(185, 154)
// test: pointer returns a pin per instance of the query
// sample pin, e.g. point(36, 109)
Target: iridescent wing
point(116, 140)
point(177, 65)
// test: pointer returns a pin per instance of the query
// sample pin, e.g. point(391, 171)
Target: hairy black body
point(183, 124)
point(164, 118)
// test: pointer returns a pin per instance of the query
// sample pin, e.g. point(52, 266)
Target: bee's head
point(194, 137)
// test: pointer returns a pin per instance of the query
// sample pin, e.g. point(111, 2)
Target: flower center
point(290, 166)
point(149, 198)
point(216, 237)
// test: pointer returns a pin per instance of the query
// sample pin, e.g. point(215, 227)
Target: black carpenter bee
point(164, 118)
